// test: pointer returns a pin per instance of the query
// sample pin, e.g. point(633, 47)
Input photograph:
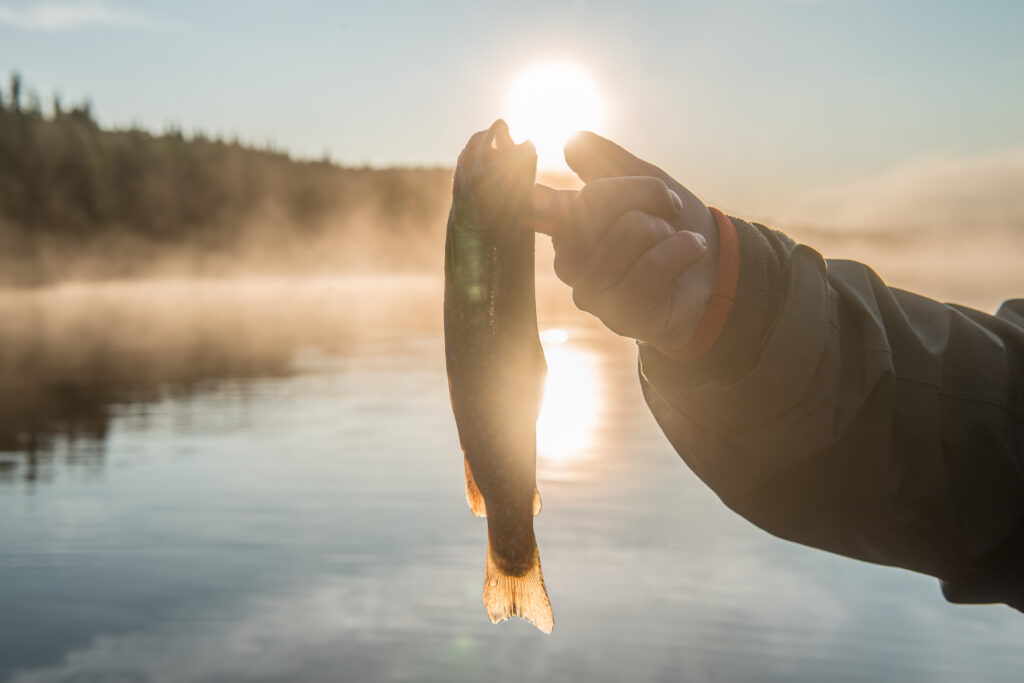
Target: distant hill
point(80, 202)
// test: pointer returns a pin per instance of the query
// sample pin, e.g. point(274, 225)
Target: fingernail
point(677, 203)
point(701, 240)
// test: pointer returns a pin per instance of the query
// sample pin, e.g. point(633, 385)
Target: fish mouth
point(498, 140)
point(495, 147)
point(496, 172)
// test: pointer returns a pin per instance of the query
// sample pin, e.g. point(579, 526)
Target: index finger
point(551, 209)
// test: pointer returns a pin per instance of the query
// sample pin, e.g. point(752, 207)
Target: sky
point(740, 99)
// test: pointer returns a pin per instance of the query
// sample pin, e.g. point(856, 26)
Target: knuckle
point(637, 231)
point(559, 242)
point(590, 190)
point(655, 186)
point(583, 299)
point(692, 241)
point(590, 197)
point(634, 219)
point(620, 300)
point(564, 268)
point(658, 196)
point(659, 230)
point(620, 326)
point(623, 236)
point(637, 309)
point(670, 255)
point(657, 259)
point(582, 216)
point(643, 228)
point(646, 233)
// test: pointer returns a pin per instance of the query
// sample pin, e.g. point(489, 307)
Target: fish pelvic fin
point(523, 596)
point(475, 499)
point(473, 495)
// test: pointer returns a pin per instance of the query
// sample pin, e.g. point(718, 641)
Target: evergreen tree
point(15, 91)
point(34, 105)
point(68, 187)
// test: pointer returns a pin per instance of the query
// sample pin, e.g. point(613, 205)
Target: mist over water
point(72, 355)
point(226, 447)
point(228, 453)
point(260, 478)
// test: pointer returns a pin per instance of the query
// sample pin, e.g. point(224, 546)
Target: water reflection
point(572, 399)
point(281, 498)
point(73, 357)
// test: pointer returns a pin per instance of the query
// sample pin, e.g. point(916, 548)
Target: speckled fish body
point(495, 362)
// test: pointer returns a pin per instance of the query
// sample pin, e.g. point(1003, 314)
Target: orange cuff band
point(720, 303)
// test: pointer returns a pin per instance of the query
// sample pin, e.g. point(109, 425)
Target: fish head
point(496, 175)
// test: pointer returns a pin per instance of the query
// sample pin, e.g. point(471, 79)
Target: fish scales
point(495, 362)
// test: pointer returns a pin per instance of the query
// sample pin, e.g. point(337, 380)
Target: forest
point(81, 202)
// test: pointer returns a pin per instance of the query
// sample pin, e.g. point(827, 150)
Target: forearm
point(839, 413)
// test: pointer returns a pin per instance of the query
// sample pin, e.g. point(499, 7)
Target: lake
point(261, 480)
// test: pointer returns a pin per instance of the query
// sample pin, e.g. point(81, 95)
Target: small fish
point(495, 362)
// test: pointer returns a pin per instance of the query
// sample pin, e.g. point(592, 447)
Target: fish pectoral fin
point(473, 495)
point(536, 502)
point(524, 596)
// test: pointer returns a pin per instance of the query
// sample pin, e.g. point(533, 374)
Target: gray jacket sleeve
point(840, 413)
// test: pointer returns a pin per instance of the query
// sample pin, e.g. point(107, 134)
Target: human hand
point(638, 249)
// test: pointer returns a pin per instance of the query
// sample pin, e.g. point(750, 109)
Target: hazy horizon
point(746, 101)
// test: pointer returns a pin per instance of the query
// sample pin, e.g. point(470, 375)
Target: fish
point(495, 362)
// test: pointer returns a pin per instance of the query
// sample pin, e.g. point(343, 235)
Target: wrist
point(724, 272)
point(764, 259)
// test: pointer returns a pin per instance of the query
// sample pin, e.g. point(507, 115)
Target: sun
point(549, 102)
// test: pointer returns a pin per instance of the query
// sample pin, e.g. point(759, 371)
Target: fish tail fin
point(524, 596)
point(536, 501)
point(473, 495)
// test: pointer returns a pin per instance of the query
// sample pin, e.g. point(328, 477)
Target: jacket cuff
point(721, 302)
point(730, 335)
point(798, 351)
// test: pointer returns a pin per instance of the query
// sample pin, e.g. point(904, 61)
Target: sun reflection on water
point(571, 402)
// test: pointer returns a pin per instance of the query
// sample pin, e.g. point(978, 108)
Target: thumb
point(592, 157)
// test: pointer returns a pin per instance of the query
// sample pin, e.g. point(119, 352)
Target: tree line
point(127, 199)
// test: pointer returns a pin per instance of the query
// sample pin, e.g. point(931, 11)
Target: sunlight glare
point(554, 335)
point(571, 402)
point(548, 103)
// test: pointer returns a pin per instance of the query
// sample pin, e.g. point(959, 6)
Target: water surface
point(261, 481)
